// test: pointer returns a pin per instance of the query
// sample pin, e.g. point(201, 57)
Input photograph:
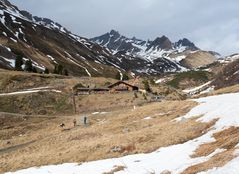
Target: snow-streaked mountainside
point(117, 42)
point(7, 7)
point(47, 43)
point(175, 159)
point(152, 51)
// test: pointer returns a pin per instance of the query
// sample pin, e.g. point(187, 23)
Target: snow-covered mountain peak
point(162, 43)
point(117, 42)
point(186, 43)
point(114, 33)
point(7, 8)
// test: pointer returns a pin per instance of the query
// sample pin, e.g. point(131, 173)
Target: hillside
point(228, 75)
point(126, 132)
point(184, 137)
point(47, 43)
point(198, 59)
point(115, 104)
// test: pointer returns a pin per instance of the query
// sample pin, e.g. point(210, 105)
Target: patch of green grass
point(198, 76)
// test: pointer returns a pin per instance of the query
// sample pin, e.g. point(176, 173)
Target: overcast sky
point(210, 24)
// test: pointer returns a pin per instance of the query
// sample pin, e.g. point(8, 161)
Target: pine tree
point(58, 69)
point(18, 63)
point(146, 86)
point(34, 69)
point(65, 72)
point(28, 66)
point(46, 71)
point(55, 71)
point(125, 77)
point(118, 76)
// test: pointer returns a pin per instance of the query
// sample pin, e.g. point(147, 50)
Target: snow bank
point(225, 107)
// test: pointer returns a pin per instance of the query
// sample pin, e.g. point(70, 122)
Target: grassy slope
point(52, 103)
point(125, 128)
point(227, 76)
point(189, 79)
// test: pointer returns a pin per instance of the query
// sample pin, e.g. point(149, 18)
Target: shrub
point(28, 66)
point(59, 69)
point(146, 86)
point(118, 76)
point(107, 83)
point(145, 97)
point(79, 85)
point(34, 69)
point(125, 77)
point(46, 71)
point(18, 63)
point(65, 72)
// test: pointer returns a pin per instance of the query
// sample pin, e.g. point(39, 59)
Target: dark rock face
point(186, 43)
point(114, 41)
point(6, 3)
point(161, 43)
point(26, 14)
point(115, 34)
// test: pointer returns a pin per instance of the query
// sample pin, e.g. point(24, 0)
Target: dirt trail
point(7, 114)
point(16, 147)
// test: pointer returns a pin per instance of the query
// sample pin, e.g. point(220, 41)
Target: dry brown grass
point(108, 102)
point(40, 103)
point(35, 141)
point(125, 128)
point(11, 81)
point(218, 160)
point(50, 102)
point(226, 139)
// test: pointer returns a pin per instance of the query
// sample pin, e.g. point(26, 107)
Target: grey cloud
point(211, 24)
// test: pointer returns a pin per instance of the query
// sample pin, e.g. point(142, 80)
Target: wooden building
point(122, 86)
point(119, 86)
point(88, 91)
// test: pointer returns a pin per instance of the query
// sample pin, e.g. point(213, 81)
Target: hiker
point(85, 120)
point(74, 122)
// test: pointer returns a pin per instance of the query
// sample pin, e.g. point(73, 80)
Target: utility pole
point(74, 100)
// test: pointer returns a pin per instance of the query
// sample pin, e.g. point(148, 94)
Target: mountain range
point(48, 43)
point(161, 54)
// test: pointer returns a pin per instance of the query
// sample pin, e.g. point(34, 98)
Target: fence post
point(74, 100)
